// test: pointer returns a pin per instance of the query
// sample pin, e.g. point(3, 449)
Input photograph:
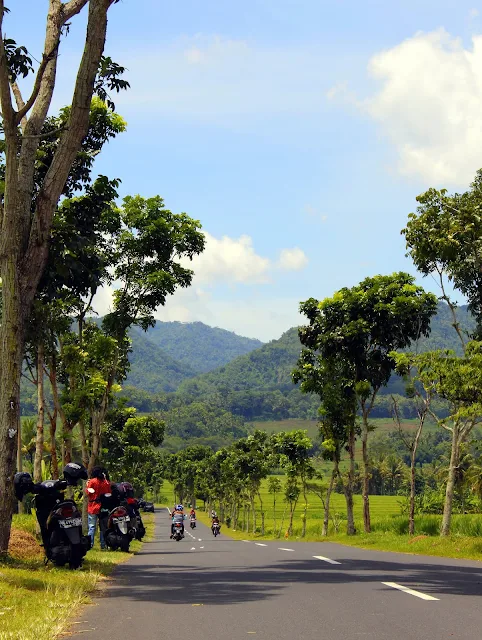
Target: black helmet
point(23, 484)
point(74, 472)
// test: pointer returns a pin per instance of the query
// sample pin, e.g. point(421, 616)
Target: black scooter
point(216, 529)
point(59, 519)
point(192, 523)
point(115, 522)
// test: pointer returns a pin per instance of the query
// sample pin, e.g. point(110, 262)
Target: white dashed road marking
point(245, 540)
point(412, 592)
point(282, 549)
point(329, 560)
point(260, 544)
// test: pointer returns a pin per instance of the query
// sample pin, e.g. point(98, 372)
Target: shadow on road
point(169, 584)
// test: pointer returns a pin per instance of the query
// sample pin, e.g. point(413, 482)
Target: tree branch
point(46, 58)
point(8, 112)
point(70, 9)
point(19, 100)
point(37, 250)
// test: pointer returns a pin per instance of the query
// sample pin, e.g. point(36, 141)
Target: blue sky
point(299, 133)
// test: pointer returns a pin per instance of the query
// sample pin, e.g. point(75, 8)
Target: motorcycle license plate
point(122, 519)
point(70, 522)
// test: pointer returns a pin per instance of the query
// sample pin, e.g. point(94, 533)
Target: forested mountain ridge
point(258, 385)
point(198, 346)
point(171, 352)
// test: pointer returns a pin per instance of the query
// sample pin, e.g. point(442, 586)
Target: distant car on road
point(148, 507)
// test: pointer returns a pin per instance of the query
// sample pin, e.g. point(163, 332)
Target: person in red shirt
point(97, 486)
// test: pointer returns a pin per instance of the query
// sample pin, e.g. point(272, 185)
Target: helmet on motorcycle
point(23, 484)
point(126, 489)
point(74, 472)
point(179, 507)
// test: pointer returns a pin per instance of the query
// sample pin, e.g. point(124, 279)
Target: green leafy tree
point(459, 382)
point(361, 326)
point(28, 205)
point(293, 448)
point(274, 487)
point(330, 379)
point(444, 238)
point(130, 448)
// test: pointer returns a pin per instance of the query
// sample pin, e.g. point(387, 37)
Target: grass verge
point(38, 602)
point(388, 535)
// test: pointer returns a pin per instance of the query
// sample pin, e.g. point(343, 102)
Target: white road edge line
point(260, 544)
point(327, 559)
point(412, 592)
point(283, 549)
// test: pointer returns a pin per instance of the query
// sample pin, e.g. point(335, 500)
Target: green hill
point(198, 346)
point(258, 385)
point(171, 352)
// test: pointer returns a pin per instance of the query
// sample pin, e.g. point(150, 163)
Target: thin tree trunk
point(274, 513)
point(326, 515)
point(262, 513)
point(39, 440)
point(450, 488)
point(348, 488)
point(413, 457)
point(253, 508)
point(366, 474)
point(282, 520)
point(305, 511)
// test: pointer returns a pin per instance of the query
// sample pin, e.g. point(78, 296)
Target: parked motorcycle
point(59, 519)
point(216, 529)
point(115, 521)
point(126, 491)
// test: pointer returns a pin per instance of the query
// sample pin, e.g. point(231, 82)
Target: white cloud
point(430, 105)
point(233, 262)
point(474, 13)
point(292, 259)
point(230, 260)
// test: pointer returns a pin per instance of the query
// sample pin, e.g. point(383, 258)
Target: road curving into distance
point(275, 590)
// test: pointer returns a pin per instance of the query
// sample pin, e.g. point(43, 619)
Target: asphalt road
point(275, 590)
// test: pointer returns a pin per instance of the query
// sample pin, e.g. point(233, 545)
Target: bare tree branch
point(46, 58)
point(70, 9)
point(20, 103)
point(37, 249)
point(8, 112)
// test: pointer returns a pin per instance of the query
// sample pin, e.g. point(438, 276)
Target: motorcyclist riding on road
point(177, 516)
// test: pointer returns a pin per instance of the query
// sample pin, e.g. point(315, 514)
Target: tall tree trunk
point(24, 238)
point(326, 514)
point(274, 512)
point(39, 440)
point(450, 488)
point(366, 474)
point(20, 463)
point(11, 356)
point(349, 484)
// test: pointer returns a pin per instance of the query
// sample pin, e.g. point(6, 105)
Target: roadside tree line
point(355, 340)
